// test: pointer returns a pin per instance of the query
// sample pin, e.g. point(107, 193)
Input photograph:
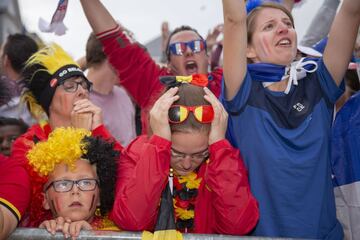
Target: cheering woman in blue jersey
point(280, 114)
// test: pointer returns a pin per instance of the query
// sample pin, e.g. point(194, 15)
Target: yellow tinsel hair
point(36, 110)
point(52, 57)
point(64, 145)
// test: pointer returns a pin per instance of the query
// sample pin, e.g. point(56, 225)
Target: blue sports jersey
point(285, 142)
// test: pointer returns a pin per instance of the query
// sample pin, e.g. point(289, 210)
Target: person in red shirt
point(188, 155)
point(14, 194)
point(186, 54)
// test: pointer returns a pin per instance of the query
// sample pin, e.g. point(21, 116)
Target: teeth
point(285, 41)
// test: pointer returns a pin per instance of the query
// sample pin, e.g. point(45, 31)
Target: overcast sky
point(143, 17)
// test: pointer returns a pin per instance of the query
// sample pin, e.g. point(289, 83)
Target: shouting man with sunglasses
point(139, 74)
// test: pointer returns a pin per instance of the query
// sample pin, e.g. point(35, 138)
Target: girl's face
point(188, 151)
point(274, 38)
point(77, 201)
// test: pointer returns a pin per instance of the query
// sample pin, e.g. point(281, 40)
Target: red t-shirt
point(14, 186)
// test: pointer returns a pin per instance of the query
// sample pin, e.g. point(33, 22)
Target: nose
point(75, 189)
point(186, 163)
point(188, 51)
point(5, 144)
point(82, 92)
point(282, 28)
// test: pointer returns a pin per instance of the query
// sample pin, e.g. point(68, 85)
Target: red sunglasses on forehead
point(202, 113)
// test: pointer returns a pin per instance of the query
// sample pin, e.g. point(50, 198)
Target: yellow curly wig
point(64, 145)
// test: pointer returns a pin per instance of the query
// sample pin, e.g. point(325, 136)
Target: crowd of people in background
point(247, 131)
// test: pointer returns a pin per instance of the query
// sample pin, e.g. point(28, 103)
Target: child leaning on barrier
point(81, 174)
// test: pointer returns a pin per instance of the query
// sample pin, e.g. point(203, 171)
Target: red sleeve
point(235, 210)
point(142, 176)
point(138, 73)
point(25, 142)
point(14, 187)
point(215, 80)
point(104, 133)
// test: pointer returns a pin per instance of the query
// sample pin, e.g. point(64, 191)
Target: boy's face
point(75, 203)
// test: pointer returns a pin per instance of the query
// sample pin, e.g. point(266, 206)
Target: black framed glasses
point(86, 184)
point(71, 85)
point(195, 156)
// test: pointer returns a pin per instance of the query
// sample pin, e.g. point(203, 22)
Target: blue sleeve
point(236, 104)
point(327, 83)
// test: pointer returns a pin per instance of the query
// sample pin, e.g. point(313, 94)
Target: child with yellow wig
point(81, 174)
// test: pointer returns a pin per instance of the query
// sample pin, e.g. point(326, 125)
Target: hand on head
point(219, 123)
point(159, 118)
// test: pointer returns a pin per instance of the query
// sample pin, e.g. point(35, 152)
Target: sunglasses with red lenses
point(178, 48)
point(202, 113)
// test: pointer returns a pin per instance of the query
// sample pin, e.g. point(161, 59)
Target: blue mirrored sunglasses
point(178, 48)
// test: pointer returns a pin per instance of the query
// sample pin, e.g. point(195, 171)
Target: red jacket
point(139, 74)
point(224, 204)
point(20, 148)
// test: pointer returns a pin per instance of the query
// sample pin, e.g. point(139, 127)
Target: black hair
point(5, 94)
point(18, 48)
point(94, 51)
point(4, 121)
point(101, 153)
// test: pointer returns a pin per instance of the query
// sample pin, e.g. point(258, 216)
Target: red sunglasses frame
point(192, 109)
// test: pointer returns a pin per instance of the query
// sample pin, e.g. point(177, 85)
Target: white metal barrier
point(40, 234)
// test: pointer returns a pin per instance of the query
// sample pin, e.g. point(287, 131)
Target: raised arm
point(235, 44)
point(342, 38)
point(98, 16)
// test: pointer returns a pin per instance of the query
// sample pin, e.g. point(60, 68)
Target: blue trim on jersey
point(284, 140)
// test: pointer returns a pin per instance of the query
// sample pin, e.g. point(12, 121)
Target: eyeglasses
point(70, 85)
point(178, 48)
point(86, 184)
point(202, 113)
point(195, 156)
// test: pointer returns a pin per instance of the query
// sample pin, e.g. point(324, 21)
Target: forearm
point(343, 33)
point(7, 222)
point(98, 16)
point(235, 45)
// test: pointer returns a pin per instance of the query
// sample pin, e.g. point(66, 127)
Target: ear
point(5, 61)
point(46, 204)
point(250, 52)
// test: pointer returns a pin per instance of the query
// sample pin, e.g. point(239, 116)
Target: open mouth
point(285, 42)
point(191, 67)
